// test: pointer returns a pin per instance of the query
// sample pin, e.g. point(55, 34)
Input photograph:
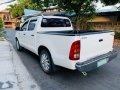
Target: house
point(107, 21)
point(6, 18)
point(107, 18)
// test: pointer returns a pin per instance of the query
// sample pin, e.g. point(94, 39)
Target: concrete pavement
point(13, 74)
point(8, 78)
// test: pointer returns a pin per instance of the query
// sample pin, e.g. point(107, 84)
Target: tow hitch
point(84, 73)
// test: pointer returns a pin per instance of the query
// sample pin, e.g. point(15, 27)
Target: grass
point(2, 36)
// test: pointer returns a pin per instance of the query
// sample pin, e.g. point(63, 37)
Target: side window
point(24, 27)
point(32, 24)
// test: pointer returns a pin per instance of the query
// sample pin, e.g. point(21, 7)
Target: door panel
point(30, 35)
point(22, 33)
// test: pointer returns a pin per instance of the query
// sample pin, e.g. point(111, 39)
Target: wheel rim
point(17, 45)
point(45, 62)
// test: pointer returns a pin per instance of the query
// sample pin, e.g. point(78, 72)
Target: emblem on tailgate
point(83, 37)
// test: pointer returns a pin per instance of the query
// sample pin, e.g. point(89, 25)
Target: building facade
point(107, 21)
point(6, 18)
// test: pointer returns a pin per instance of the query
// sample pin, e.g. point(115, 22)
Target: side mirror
point(17, 28)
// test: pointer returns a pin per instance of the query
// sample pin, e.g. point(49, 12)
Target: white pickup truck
point(57, 44)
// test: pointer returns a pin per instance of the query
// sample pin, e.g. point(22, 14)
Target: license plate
point(102, 62)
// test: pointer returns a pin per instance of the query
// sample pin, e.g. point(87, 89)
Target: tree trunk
point(78, 26)
point(81, 24)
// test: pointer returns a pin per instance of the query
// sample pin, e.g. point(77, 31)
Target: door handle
point(32, 35)
point(24, 34)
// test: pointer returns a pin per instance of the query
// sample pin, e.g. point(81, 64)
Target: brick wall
point(107, 26)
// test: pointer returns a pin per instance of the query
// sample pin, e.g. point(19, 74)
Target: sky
point(5, 3)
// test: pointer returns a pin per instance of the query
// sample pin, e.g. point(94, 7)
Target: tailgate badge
point(83, 37)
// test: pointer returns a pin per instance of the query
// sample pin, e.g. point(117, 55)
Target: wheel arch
point(42, 48)
point(55, 67)
point(45, 48)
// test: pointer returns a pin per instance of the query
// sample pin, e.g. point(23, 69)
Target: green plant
point(1, 24)
point(17, 10)
point(117, 35)
point(2, 36)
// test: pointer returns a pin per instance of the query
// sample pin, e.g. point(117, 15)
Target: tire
point(19, 48)
point(46, 62)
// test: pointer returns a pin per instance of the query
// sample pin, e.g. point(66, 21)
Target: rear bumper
point(95, 62)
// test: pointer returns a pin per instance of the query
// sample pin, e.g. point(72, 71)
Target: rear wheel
point(46, 62)
point(19, 48)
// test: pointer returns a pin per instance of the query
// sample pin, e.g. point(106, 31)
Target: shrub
point(117, 35)
point(1, 24)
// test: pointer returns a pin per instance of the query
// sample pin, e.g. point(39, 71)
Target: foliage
point(117, 35)
point(17, 10)
point(86, 11)
point(2, 36)
point(110, 2)
point(31, 4)
point(1, 24)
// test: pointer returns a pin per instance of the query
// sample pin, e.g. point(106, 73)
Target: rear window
point(55, 22)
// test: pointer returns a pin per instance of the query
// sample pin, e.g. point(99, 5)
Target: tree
point(17, 10)
point(31, 4)
point(44, 3)
point(84, 9)
point(110, 2)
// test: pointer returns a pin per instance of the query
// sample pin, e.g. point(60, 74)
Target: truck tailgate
point(93, 45)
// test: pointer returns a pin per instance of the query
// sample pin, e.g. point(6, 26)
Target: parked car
point(53, 39)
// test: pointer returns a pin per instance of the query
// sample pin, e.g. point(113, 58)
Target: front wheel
point(46, 62)
point(19, 48)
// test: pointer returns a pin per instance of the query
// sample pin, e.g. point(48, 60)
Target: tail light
point(75, 51)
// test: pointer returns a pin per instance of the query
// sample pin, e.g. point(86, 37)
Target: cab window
point(32, 24)
point(55, 22)
point(24, 27)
